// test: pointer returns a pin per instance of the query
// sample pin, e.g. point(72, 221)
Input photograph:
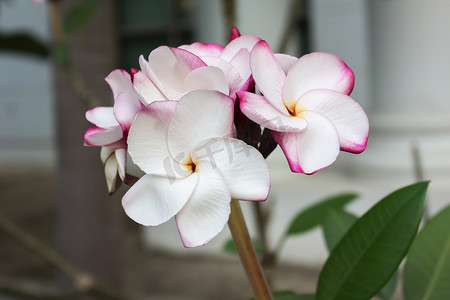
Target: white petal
point(171, 66)
point(285, 61)
point(241, 62)
point(208, 78)
point(96, 136)
point(111, 173)
point(145, 68)
point(120, 82)
point(200, 114)
point(125, 110)
point(147, 89)
point(246, 42)
point(243, 168)
point(105, 152)
point(259, 110)
point(102, 117)
point(345, 114)
point(121, 157)
point(153, 199)
point(268, 75)
point(317, 71)
point(207, 211)
point(201, 49)
point(314, 148)
point(147, 140)
point(231, 74)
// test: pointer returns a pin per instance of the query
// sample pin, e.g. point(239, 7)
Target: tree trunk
point(89, 229)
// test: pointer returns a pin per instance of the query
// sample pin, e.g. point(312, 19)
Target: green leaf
point(23, 43)
point(427, 269)
point(335, 225)
point(313, 215)
point(230, 246)
point(289, 295)
point(370, 252)
point(79, 15)
point(61, 53)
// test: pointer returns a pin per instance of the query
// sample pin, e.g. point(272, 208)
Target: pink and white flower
point(169, 73)
point(233, 59)
point(193, 167)
point(305, 103)
point(111, 125)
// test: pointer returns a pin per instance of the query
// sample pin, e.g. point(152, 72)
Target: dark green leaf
point(427, 269)
point(313, 215)
point(370, 252)
point(289, 295)
point(335, 224)
point(230, 247)
point(79, 15)
point(23, 43)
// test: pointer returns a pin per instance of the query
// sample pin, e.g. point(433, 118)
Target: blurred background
point(54, 188)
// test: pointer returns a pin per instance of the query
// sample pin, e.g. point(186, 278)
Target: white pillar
point(341, 27)
point(411, 65)
point(209, 24)
point(411, 47)
point(411, 93)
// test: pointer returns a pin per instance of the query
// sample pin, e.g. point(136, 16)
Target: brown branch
point(84, 282)
point(14, 290)
point(88, 98)
point(33, 244)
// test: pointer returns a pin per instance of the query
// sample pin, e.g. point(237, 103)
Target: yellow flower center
point(189, 165)
point(295, 110)
point(291, 109)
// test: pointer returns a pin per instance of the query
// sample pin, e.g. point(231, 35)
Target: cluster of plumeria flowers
point(176, 118)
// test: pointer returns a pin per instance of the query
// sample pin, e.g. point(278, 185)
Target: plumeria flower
point(111, 125)
point(107, 133)
point(193, 167)
point(305, 103)
point(169, 73)
point(233, 59)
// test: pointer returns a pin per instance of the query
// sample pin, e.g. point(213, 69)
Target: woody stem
point(247, 253)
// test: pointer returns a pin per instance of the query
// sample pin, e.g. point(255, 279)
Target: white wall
point(26, 119)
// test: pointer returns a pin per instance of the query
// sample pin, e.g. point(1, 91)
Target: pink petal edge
point(234, 34)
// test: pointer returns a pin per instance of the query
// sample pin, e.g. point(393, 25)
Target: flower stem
point(247, 253)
